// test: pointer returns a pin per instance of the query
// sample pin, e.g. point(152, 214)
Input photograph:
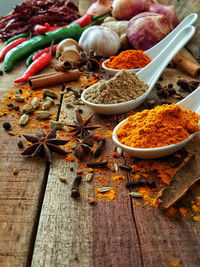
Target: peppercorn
point(170, 85)
point(171, 91)
point(158, 86)
point(6, 125)
point(10, 105)
point(1, 72)
point(16, 108)
point(161, 79)
point(20, 144)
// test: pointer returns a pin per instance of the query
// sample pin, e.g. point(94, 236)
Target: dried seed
point(15, 171)
point(116, 167)
point(43, 115)
point(101, 144)
point(135, 194)
point(50, 93)
point(19, 98)
point(62, 179)
point(91, 201)
point(47, 103)
point(56, 124)
point(89, 177)
point(75, 187)
point(119, 151)
point(24, 119)
point(27, 109)
point(104, 189)
point(35, 102)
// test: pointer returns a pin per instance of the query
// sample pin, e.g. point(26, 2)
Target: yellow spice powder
point(164, 125)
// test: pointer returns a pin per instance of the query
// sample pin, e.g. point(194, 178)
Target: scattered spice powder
point(161, 126)
point(129, 59)
point(118, 177)
point(110, 195)
point(183, 212)
point(124, 86)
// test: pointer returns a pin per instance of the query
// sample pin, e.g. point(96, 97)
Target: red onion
point(147, 29)
point(168, 11)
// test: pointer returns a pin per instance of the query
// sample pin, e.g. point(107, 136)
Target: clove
point(97, 164)
point(75, 187)
point(98, 150)
point(125, 167)
point(140, 182)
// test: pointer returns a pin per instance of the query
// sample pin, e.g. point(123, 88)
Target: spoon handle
point(192, 101)
point(152, 71)
point(187, 21)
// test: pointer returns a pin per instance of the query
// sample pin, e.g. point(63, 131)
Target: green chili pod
point(73, 31)
point(25, 34)
point(29, 59)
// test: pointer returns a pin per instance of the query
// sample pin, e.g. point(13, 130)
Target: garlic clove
point(66, 43)
point(72, 56)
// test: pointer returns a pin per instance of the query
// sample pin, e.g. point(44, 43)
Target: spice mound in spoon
point(164, 125)
point(124, 86)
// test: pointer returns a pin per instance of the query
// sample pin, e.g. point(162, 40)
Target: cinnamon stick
point(52, 78)
point(188, 63)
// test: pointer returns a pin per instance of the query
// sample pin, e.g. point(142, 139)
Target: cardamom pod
point(104, 189)
point(58, 124)
point(47, 92)
point(43, 115)
point(24, 119)
point(19, 98)
point(35, 102)
point(27, 108)
point(89, 177)
point(135, 194)
point(47, 103)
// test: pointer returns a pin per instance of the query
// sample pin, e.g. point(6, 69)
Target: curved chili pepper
point(36, 66)
point(25, 34)
point(7, 48)
point(45, 50)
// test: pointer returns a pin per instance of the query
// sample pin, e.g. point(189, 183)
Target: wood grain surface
point(41, 225)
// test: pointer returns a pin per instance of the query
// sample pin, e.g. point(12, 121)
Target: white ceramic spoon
point(191, 102)
point(149, 75)
point(158, 48)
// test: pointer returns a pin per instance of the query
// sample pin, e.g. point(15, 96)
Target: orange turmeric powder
point(164, 125)
point(129, 59)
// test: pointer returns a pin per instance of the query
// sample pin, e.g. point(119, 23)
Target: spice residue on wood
point(124, 86)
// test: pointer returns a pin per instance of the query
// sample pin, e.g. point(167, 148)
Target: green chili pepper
point(30, 58)
point(25, 34)
point(73, 31)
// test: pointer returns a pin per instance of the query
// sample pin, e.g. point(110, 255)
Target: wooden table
point(41, 225)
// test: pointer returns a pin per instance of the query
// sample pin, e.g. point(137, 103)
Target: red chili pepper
point(41, 29)
point(45, 50)
point(11, 45)
point(85, 20)
point(36, 66)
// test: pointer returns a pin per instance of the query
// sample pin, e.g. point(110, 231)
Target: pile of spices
point(164, 125)
point(129, 59)
point(124, 86)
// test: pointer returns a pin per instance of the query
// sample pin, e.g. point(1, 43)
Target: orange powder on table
point(129, 59)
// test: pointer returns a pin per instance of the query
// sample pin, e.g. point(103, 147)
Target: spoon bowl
point(154, 51)
point(191, 102)
point(149, 75)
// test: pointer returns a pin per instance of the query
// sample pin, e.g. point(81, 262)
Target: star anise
point(91, 60)
point(81, 128)
point(44, 144)
point(83, 147)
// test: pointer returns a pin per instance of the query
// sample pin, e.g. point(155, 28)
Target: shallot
point(147, 29)
point(100, 7)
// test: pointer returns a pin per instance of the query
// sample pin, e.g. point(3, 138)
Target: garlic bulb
point(102, 41)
